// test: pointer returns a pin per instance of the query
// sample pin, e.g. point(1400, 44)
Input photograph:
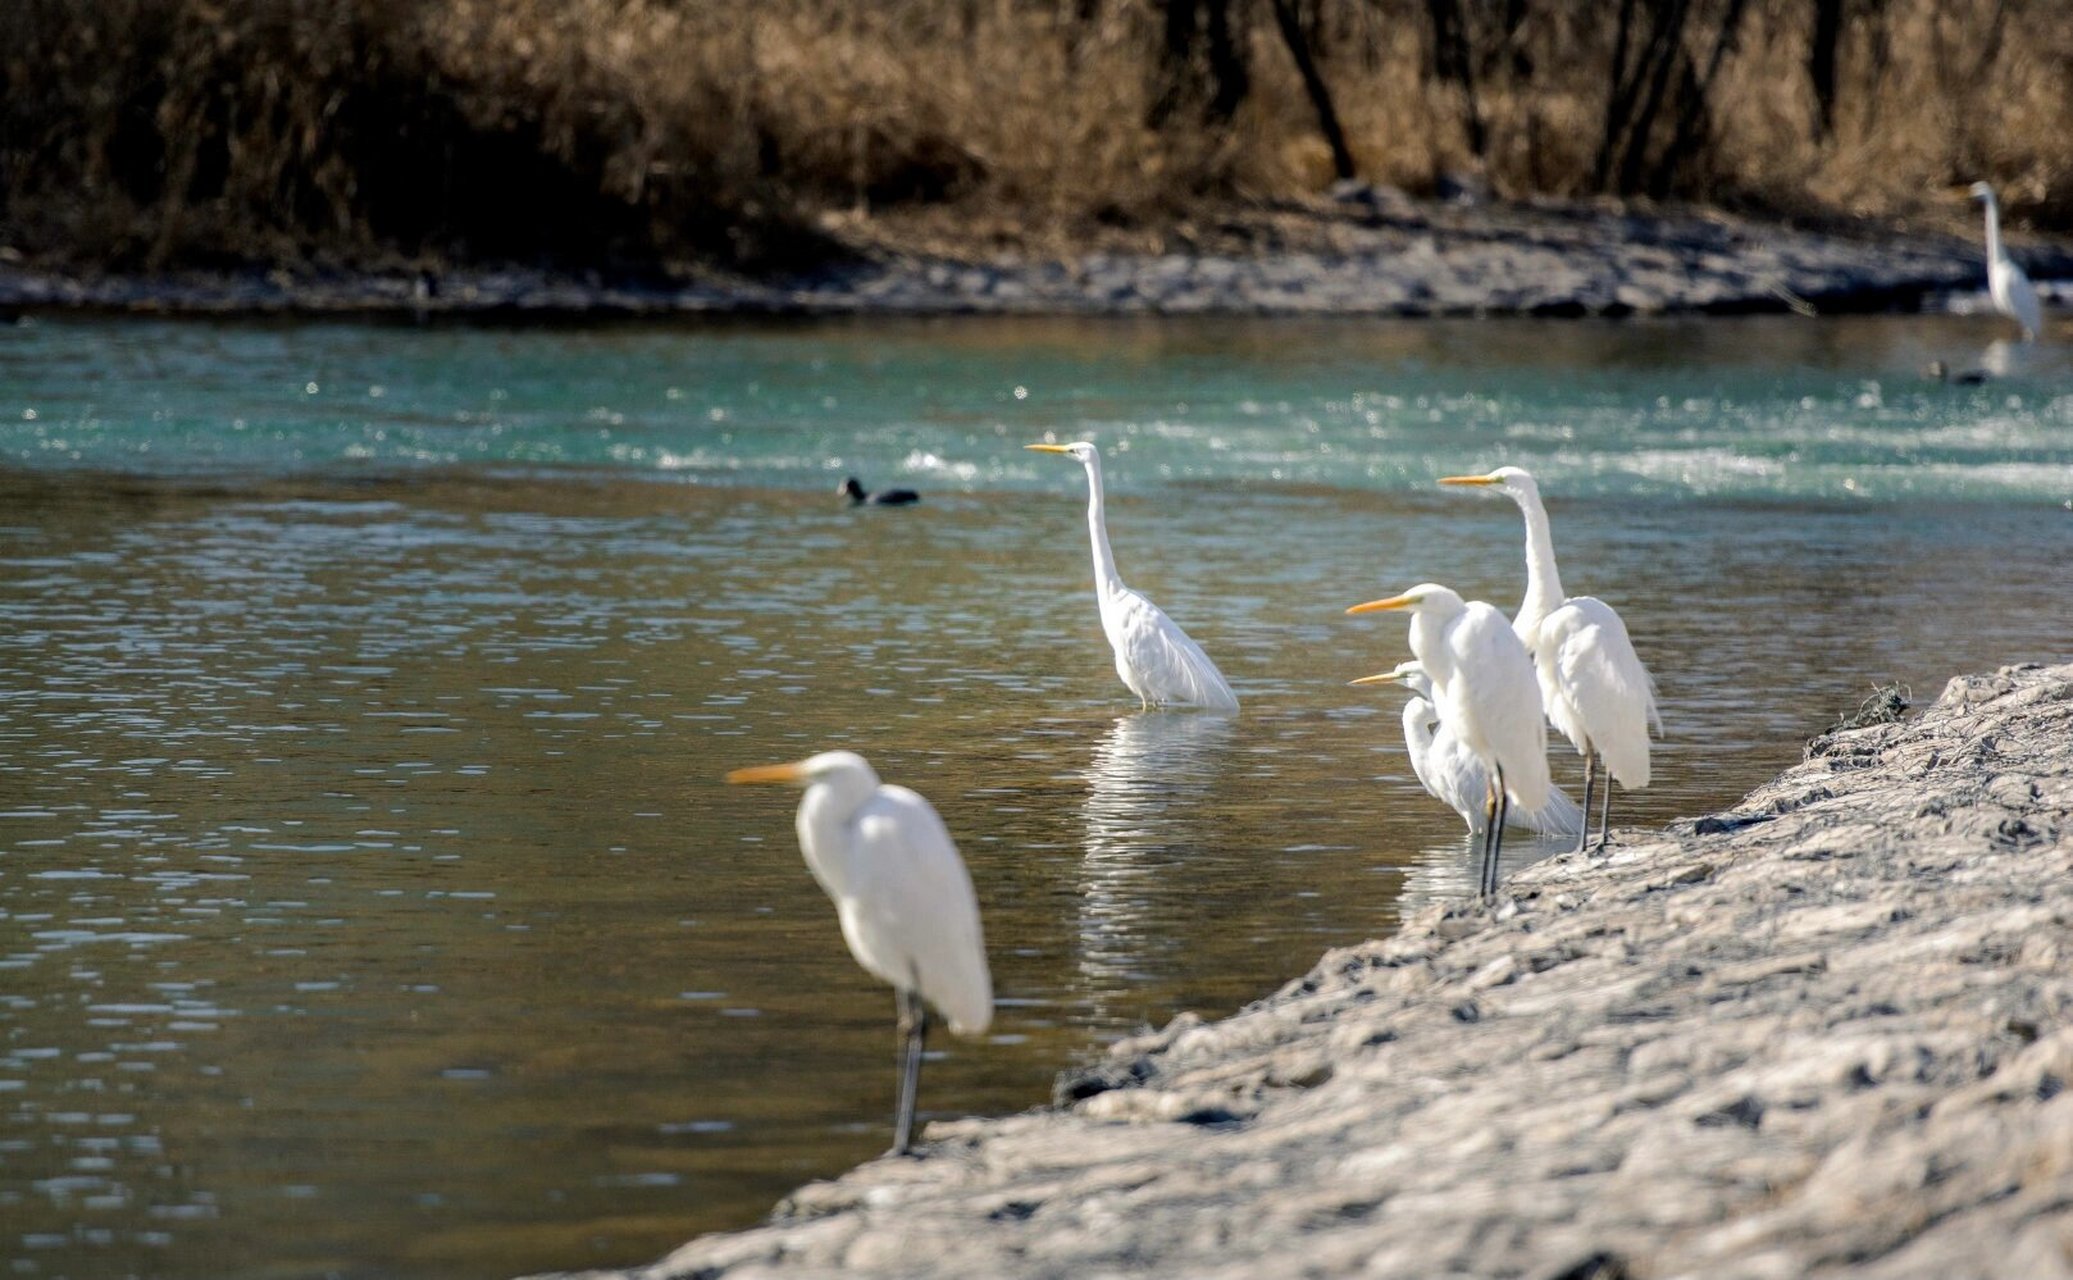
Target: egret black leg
point(1491, 794)
point(914, 1029)
point(1504, 808)
point(1605, 816)
point(1583, 836)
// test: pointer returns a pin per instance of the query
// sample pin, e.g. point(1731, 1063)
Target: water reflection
point(1446, 871)
point(1151, 798)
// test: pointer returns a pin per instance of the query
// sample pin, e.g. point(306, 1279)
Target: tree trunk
point(1313, 84)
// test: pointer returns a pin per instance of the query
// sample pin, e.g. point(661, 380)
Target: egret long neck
point(1994, 250)
point(1419, 718)
point(825, 813)
point(1105, 576)
point(1543, 580)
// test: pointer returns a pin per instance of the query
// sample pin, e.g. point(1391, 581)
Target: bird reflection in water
point(1447, 870)
point(1151, 803)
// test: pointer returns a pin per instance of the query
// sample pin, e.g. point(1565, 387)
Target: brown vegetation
point(141, 134)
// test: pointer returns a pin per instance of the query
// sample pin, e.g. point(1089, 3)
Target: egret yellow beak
point(1470, 480)
point(1387, 677)
point(766, 773)
point(1048, 448)
point(1404, 601)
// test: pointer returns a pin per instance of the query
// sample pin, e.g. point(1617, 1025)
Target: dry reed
point(631, 134)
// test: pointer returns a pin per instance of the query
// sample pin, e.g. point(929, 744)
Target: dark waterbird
point(883, 498)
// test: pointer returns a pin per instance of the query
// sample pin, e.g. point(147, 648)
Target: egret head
point(827, 766)
point(1411, 675)
point(1080, 449)
point(1426, 597)
point(1517, 482)
point(1981, 190)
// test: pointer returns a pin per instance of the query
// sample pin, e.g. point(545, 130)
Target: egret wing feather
point(1494, 700)
point(1452, 775)
point(1598, 693)
point(1160, 662)
point(2021, 300)
point(910, 915)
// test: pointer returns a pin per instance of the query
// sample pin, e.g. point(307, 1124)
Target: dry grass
point(628, 134)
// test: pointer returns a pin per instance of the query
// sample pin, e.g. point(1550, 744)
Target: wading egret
point(902, 895)
point(1484, 687)
point(1597, 693)
point(854, 491)
point(1157, 660)
point(2013, 294)
point(1450, 772)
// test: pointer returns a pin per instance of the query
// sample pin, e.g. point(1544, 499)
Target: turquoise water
point(1759, 408)
point(369, 901)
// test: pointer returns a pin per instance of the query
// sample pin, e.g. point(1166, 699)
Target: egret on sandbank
point(902, 895)
point(1597, 693)
point(1450, 772)
point(1484, 688)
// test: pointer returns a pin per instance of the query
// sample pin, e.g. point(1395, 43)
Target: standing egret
point(1484, 687)
point(2013, 294)
point(1157, 660)
point(1450, 772)
point(1597, 693)
point(902, 895)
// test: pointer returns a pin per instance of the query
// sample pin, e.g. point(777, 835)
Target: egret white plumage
point(1156, 659)
point(1451, 773)
point(2013, 294)
point(1484, 688)
point(1596, 691)
point(902, 895)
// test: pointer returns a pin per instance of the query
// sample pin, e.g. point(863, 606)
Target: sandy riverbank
point(1370, 253)
point(1825, 1032)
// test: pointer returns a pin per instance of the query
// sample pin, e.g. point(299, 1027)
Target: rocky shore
point(1369, 252)
point(1828, 1031)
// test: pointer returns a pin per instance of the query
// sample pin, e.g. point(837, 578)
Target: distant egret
point(902, 894)
point(1157, 660)
point(1597, 693)
point(1484, 688)
point(854, 491)
point(1450, 772)
point(2013, 294)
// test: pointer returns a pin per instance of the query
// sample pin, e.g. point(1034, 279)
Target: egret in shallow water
point(853, 489)
point(1597, 693)
point(1450, 772)
point(1157, 660)
point(2013, 294)
point(902, 895)
point(1484, 687)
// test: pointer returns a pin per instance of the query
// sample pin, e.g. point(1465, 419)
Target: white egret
point(902, 894)
point(1450, 772)
point(1597, 693)
point(2013, 294)
point(1157, 660)
point(1484, 687)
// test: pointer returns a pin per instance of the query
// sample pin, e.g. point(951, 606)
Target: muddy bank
point(1827, 1031)
point(1371, 252)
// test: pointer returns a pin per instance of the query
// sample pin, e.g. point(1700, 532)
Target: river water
point(370, 904)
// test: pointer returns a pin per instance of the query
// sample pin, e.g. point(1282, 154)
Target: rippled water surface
point(369, 903)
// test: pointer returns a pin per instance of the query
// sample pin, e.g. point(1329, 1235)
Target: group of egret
point(1485, 687)
point(1477, 734)
point(1495, 685)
